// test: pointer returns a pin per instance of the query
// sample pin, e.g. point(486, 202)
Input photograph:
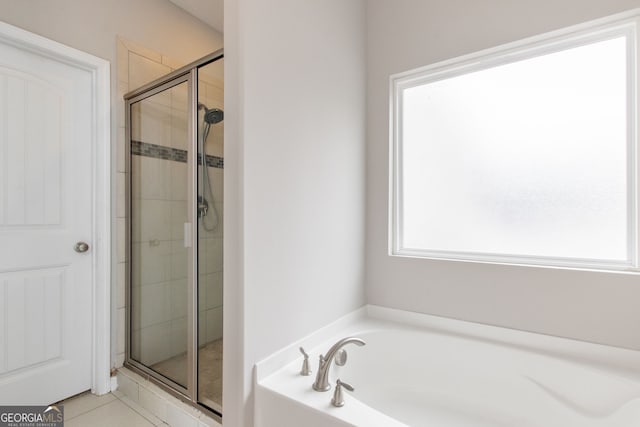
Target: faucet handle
point(338, 396)
point(345, 385)
point(306, 371)
point(304, 353)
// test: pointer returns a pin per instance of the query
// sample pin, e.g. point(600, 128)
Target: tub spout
point(322, 377)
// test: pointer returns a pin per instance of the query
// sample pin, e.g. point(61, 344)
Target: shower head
point(211, 116)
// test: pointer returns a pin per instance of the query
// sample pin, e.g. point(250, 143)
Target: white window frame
point(625, 24)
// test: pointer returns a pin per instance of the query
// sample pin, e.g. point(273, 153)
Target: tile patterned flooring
point(88, 410)
point(115, 409)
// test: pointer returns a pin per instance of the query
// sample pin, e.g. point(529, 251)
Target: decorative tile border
point(168, 153)
point(158, 151)
point(213, 161)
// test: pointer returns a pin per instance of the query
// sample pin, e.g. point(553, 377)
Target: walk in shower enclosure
point(175, 162)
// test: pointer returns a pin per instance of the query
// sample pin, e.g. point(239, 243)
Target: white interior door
point(46, 178)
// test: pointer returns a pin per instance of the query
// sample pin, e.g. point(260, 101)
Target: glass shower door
point(159, 248)
point(210, 237)
point(174, 283)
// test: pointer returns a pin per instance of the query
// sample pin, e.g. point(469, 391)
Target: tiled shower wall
point(159, 210)
point(163, 208)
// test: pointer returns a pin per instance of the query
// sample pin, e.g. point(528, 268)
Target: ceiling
point(210, 12)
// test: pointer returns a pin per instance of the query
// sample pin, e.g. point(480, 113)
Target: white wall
point(590, 306)
point(294, 92)
point(93, 26)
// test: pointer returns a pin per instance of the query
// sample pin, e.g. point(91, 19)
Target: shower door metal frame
point(167, 85)
point(188, 74)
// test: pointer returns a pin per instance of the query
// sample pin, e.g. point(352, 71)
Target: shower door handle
point(81, 247)
point(188, 240)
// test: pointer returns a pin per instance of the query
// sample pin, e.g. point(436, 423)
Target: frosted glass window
point(528, 161)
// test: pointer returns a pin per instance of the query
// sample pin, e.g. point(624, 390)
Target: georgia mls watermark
point(32, 416)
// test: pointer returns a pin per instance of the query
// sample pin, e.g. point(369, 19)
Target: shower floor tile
point(210, 372)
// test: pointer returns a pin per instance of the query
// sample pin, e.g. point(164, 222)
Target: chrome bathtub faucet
point(322, 377)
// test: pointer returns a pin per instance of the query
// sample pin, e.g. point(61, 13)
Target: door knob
point(81, 247)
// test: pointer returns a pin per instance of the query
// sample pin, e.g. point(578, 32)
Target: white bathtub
point(421, 370)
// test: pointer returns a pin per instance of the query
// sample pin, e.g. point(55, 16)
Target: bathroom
point(307, 178)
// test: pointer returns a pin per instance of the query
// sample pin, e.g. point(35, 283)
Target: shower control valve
point(203, 206)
